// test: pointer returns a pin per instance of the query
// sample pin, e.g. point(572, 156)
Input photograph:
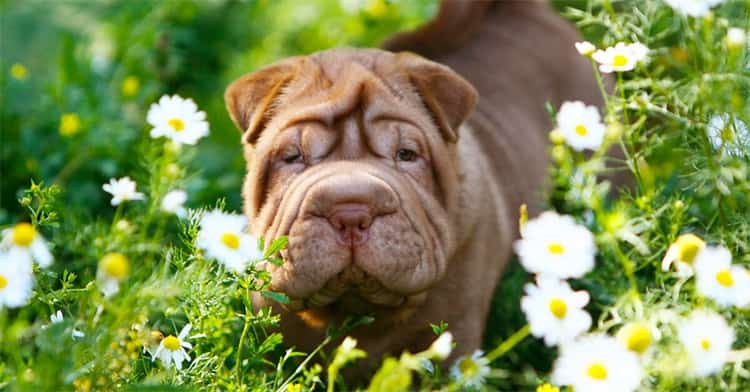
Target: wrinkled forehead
point(334, 85)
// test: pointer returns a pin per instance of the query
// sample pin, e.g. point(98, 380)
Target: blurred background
point(78, 77)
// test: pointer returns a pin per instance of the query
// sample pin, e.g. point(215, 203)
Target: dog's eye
point(406, 155)
point(291, 155)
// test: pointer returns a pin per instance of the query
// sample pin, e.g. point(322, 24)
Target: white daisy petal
point(708, 339)
point(557, 246)
point(177, 119)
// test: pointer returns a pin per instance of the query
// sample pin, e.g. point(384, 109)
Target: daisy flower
point(122, 189)
point(173, 202)
point(113, 268)
point(222, 237)
point(172, 349)
point(555, 312)
point(581, 125)
point(638, 336)
point(470, 371)
point(729, 135)
point(16, 282)
point(57, 317)
point(442, 346)
point(597, 363)
point(585, 48)
point(621, 57)
point(718, 279)
point(557, 246)
point(24, 242)
point(682, 252)
point(177, 119)
point(736, 38)
point(708, 340)
point(694, 8)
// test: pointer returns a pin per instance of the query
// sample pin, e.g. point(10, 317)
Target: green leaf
point(277, 245)
point(278, 297)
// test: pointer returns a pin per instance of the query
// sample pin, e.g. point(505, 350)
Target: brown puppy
point(397, 200)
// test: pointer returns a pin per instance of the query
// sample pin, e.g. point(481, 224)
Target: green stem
point(627, 265)
point(509, 343)
point(245, 328)
point(600, 83)
point(304, 363)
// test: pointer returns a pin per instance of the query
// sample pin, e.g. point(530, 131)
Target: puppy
point(398, 191)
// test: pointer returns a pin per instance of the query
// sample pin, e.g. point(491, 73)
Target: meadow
point(112, 275)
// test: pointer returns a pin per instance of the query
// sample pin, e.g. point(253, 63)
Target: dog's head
point(352, 154)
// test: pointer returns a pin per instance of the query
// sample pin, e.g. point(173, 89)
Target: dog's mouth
point(351, 291)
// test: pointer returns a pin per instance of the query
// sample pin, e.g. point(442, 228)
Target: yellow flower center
point(688, 246)
point(619, 60)
point(597, 371)
point(18, 71)
point(3, 282)
point(115, 265)
point(581, 130)
point(23, 234)
point(725, 278)
point(468, 367)
point(171, 343)
point(558, 308)
point(706, 344)
point(231, 240)
point(556, 248)
point(176, 124)
point(130, 86)
point(70, 124)
point(547, 388)
point(639, 338)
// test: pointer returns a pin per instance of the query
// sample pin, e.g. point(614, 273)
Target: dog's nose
point(352, 222)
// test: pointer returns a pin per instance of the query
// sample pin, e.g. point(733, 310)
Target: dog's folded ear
point(448, 96)
point(249, 98)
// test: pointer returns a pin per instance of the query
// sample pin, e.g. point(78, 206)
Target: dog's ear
point(449, 97)
point(249, 98)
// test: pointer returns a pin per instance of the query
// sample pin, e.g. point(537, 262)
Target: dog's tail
point(479, 38)
point(454, 24)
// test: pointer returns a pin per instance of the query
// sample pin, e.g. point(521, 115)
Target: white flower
point(173, 202)
point(56, 318)
point(555, 312)
point(708, 339)
point(16, 282)
point(442, 346)
point(77, 334)
point(597, 363)
point(177, 119)
point(222, 237)
point(348, 345)
point(122, 189)
point(718, 279)
point(581, 125)
point(585, 48)
point(682, 252)
point(24, 243)
point(736, 38)
point(638, 336)
point(113, 268)
point(557, 246)
point(727, 135)
point(470, 371)
point(621, 57)
point(172, 349)
point(693, 7)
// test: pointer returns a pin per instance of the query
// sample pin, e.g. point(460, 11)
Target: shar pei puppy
point(398, 178)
